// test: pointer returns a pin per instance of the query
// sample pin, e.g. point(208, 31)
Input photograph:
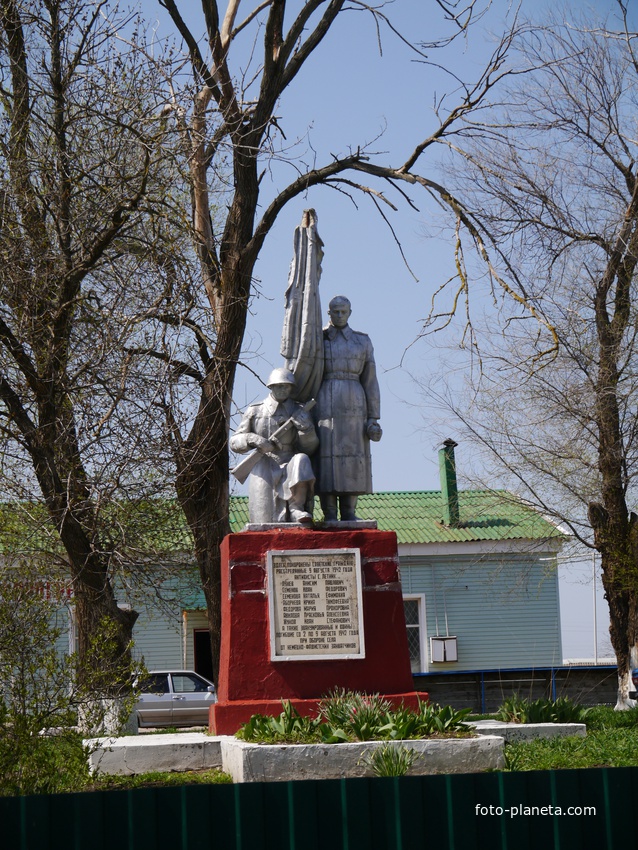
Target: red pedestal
point(250, 683)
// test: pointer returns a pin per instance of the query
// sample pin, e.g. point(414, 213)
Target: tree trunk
point(615, 544)
point(105, 634)
point(619, 608)
point(203, 462)
point(105, 631)
point(202, 477)
point(613, 527)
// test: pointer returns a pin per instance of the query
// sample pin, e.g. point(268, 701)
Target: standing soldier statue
point(347, 412)
point(336, 366)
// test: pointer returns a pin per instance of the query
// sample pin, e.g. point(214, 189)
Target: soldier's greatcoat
point(348, 397)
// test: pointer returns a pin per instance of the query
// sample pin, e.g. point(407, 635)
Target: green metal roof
point(417, 517)
point(154, 529)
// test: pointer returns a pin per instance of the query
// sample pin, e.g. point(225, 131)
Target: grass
point(391, 760)
point(604, 748)
point(517, 709)
point(158, 779)
point(604, 717)
point(611, 741)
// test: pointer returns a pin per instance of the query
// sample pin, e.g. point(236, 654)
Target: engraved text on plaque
point(314, 598)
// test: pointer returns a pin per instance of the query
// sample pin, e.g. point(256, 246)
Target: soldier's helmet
point(280, 376)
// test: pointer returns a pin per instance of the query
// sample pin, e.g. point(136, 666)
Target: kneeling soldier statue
point(282, 435)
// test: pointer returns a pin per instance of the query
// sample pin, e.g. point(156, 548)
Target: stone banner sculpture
point(302, 338)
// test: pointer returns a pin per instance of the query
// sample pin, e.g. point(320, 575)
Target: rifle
point(244, 467)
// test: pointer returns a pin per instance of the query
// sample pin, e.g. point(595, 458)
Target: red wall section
point(246, 672)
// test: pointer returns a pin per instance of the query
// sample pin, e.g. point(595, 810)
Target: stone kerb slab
point(165, 753)
point(247, 762)
point(515, 732)
point(261, 762)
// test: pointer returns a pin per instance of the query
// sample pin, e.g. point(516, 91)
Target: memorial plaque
point(315, 606)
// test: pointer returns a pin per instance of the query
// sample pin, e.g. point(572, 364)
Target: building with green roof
point(478, 571)
point(480, 585)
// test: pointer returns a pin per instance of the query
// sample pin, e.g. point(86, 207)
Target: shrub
point(360, 716)
point(350, 716)
point(41, 750)
point(289, 726)
point(516, 709)
point(390, 760)
point(40, 764)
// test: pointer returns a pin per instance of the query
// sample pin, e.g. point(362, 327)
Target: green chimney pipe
point(449, 491)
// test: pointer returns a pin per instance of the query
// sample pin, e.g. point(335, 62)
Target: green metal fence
point(577, 809)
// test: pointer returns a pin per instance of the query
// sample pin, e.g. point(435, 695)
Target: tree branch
point(178, 367)
point(21, 358)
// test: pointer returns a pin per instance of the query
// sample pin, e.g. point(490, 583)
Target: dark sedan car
point(174, 698)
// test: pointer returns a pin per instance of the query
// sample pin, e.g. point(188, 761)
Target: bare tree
point(82, 163)
point(230, 129)
point(554, 168)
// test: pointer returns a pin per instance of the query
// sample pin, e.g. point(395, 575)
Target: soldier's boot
point(348, 507)
point(297, 504)
point(329, 507)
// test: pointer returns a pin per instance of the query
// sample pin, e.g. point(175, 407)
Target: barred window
point(414, 607)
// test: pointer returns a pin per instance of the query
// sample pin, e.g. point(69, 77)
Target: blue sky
point(349, 94)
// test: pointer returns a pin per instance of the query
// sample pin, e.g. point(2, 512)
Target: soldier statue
point(282, 435)
point(347, 415)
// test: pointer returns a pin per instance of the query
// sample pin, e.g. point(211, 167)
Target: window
point(155, 683)
point(183, 683)
point(414, 607)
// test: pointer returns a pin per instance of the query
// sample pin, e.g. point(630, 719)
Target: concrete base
point(271, 763)
point(280, 763)
point(248, 674)
point(336, 525)
point(514, 732)
point(276, 763)
point(165, 753)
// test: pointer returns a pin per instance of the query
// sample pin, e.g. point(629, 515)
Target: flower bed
point(347, 717)
point(371, 736)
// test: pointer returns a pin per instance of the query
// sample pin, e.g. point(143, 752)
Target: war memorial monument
point(309, 606)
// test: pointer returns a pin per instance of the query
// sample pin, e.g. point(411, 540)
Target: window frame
point(419, 598)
